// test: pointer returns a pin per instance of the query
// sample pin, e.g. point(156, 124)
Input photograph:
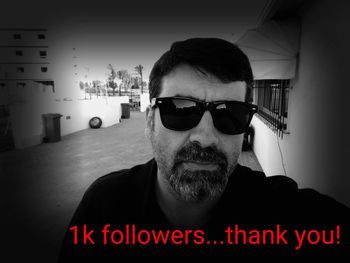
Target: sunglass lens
point(231, 118)
point(179, 114)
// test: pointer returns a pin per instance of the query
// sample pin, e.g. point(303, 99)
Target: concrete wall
point(266, 148)
point(27, 121)
point(316, 151)
point(144, 101)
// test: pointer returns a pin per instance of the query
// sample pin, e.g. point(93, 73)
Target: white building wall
point(144, 101)
point(266, 148)
point(31, 101)
point(27, 120)
point(316, 151)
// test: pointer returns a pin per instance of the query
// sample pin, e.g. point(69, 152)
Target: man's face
point(195, 164)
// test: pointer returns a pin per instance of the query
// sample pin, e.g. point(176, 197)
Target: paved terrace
point(42, 185)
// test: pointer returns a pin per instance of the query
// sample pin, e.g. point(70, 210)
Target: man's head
point(213, 56)
point(197, 143)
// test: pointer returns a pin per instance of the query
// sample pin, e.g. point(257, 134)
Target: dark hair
point(224, 60)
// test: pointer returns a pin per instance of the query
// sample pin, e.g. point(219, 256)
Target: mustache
point(193, 152)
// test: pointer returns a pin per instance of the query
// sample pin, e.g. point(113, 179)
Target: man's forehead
point(186, 81)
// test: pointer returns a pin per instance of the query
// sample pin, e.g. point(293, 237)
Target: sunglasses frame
point(210, 106)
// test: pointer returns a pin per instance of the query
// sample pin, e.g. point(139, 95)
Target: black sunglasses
point(182, 113)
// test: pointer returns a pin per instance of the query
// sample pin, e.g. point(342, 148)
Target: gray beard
point(197, 186)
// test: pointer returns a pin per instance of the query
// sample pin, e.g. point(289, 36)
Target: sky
point(128, 33)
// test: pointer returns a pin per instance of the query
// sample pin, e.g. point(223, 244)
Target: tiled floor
point(42, 185)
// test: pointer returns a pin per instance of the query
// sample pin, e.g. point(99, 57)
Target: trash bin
point(52, 124)
point(125, 110)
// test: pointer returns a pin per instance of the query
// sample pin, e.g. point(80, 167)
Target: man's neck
point(180, 213)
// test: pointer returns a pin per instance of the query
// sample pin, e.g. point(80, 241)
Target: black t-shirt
point(257, 216)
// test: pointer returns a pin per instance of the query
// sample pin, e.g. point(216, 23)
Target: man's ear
point(149, 121)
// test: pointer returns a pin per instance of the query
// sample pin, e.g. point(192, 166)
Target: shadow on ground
point(42, 185)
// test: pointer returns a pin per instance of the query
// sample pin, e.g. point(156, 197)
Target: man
point(193, 198)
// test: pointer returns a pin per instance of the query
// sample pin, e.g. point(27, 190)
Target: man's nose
point(205, 132)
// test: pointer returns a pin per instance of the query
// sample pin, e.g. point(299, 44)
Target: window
point(43, 53)
point(20, 69)
point(43, 69)
point(21, 84)
point(41, 36)
point(271, 96)
point(19, 53)
point(47, 84)
point(17, 36)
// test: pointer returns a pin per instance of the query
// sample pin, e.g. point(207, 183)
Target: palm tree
point(111, 76)
point(123, 75)
point(139, 70)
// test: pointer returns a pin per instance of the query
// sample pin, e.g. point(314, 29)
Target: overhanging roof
point(272, 49)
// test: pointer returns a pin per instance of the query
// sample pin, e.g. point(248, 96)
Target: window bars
point(272, 100)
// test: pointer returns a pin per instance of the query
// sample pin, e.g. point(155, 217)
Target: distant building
point(24, 69)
